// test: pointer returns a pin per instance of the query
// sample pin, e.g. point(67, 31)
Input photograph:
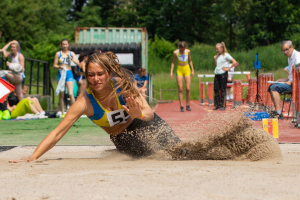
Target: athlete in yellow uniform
point(183, 56)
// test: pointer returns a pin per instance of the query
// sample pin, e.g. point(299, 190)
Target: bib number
point(117, 117)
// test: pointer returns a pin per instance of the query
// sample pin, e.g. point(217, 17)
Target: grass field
point(32, 132)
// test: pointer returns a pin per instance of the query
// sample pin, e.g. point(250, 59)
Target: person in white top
point(284, 84)
point(223, 64)
point(15, 78)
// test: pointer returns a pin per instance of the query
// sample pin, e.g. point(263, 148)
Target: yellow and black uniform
point(140, 138)
point(183, 70)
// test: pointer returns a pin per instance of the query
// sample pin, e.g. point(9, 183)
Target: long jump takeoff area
point(101, 172)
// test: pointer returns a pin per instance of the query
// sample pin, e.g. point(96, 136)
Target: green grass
point(32, 132)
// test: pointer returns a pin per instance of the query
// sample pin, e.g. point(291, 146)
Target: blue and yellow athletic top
point(183, 59)
point(64, 60)
point(106, 118)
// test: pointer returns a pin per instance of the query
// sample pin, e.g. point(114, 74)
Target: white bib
point(117, 117)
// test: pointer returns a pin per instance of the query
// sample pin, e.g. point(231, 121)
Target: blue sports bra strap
point(70, 54)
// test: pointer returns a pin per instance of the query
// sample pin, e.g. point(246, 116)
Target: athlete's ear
point(110, 74)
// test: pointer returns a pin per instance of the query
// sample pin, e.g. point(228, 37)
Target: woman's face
point(219, 49)
point(98, 78)
point(182, 49)
point(65, 45)
point(13, 48)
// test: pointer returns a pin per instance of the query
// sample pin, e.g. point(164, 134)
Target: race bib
point(117, 117)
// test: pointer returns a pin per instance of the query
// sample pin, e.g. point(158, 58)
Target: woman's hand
point(193, 73)
point(134, 109)
point(217, 55)
point(21, 160)
point(171, 75)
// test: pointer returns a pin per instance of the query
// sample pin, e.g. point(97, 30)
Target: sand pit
point(101, 172)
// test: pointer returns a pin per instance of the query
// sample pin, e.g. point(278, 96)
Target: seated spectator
point(141, 80)
point(4, 113)
point(275, 89)
point(25, 106)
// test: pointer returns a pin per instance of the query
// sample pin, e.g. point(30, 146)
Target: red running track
point(184, 123)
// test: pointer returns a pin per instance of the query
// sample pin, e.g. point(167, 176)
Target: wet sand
point(101, 172)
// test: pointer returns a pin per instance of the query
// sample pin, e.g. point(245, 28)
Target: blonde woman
point(183, 57)
point(116, 106)
point(223, 62)
point(16, 57)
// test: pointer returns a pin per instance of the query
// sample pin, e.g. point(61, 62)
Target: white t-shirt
point(293, 60)
point(222, 61)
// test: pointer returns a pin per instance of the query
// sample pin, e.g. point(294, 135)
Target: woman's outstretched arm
point(75, 111)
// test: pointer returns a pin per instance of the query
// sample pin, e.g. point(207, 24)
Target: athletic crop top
point(64, 60)
point(182, 59)
point(106, 118)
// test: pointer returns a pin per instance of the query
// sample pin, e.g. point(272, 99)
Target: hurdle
point(296, 96)
point(210, 86)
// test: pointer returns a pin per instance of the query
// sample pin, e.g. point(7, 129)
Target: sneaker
point(63, 115)
point(188, 108)
point(275, 114)
point(216, 108)
point(181, 109)
point(6, 115)
point(222, 108)
point(0, 114)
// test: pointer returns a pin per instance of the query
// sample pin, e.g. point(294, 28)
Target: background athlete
point(64, 58)
point(183, 56)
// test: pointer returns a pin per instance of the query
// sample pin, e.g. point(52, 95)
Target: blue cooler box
point(257, 116)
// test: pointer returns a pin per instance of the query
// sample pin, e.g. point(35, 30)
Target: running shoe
point(188, 108)
point(222, 108)
point(0, 114)
point(216, 108)
point(275, 114)
point(6, 115)
point(181, 109)
point(63, 115)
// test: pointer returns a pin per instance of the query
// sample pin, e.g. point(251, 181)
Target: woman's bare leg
point(61, 101)
point(70, 86)
point(188, 89)
point(17, 82)
point(179, 84)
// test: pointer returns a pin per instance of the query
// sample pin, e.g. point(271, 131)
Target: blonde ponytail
point(222, 44)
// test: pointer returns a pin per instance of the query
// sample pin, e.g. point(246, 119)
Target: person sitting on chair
point(284, 84)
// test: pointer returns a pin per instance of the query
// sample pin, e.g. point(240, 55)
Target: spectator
point(284, 84)
point(16, 77)
point(141, 80)
point(183, 57)
point(62, 61)
point(4, 112)
point(25, 106)
point(80, 71)
point(222, 62)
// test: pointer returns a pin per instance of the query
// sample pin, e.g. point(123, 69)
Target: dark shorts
point(280, 87)
point(143, 138)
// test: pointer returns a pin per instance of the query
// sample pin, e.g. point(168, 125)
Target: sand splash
point(228, 136)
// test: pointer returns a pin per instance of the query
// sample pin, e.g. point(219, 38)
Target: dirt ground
point(101, 172)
